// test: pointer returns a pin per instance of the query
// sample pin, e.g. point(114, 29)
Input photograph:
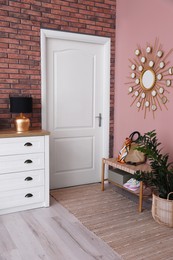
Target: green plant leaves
point(161, 176)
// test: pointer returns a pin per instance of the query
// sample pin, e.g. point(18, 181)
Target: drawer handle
point(28, 179)
point(29, 195)
point(28, 161)
point(28, 144)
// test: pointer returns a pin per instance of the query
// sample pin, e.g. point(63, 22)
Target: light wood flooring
point(50, 234)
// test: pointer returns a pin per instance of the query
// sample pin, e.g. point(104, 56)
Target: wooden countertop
point(12, 133)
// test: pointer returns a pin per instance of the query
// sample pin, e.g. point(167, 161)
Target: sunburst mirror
point(150, 78)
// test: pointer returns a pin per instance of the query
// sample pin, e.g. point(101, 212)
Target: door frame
point(106, 42)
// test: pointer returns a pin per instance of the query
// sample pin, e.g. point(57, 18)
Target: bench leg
point(141, 196)
point(103, 174)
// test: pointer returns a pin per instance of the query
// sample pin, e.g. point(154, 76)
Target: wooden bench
point(127, 168)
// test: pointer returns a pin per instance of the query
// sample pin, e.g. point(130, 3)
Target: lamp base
point(22, 123)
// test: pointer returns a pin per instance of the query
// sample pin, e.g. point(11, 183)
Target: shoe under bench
point(126, 168)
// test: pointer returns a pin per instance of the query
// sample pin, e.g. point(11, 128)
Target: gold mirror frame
point(147, 83)
point(150, 79)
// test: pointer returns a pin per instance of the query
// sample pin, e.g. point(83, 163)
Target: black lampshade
point(21, 104)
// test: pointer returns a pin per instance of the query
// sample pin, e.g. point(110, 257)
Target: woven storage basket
point(162, 210)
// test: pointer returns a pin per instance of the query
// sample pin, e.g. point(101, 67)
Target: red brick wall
point(20, 23)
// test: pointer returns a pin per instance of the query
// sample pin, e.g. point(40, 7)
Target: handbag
point(129, 154)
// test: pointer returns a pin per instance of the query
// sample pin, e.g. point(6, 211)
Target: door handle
point(100, 119)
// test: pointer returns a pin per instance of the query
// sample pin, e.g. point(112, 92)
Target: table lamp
point(21, 105)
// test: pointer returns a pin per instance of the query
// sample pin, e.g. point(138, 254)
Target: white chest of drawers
point(24, 170)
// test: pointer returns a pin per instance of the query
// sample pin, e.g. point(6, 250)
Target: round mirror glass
point(148, 79)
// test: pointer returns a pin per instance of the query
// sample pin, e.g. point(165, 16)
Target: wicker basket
point(162, 210)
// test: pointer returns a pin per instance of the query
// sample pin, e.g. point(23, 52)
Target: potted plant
point(160, 178)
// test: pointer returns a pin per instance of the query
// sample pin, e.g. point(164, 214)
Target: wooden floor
point(49, 234)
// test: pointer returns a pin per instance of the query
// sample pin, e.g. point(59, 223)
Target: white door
point(75, 88)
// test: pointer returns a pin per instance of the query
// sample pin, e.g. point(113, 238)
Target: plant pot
point(162, 210)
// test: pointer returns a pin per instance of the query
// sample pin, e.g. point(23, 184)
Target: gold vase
point(22, 123)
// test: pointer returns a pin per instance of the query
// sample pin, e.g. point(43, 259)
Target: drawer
point(14, 181)
point(21, 145)
point(25, 162)
point(9, 199)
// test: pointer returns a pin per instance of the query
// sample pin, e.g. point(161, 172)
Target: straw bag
point(128, 154)
point(134, 156)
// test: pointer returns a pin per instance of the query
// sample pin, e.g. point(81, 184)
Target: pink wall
point(139, 22)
